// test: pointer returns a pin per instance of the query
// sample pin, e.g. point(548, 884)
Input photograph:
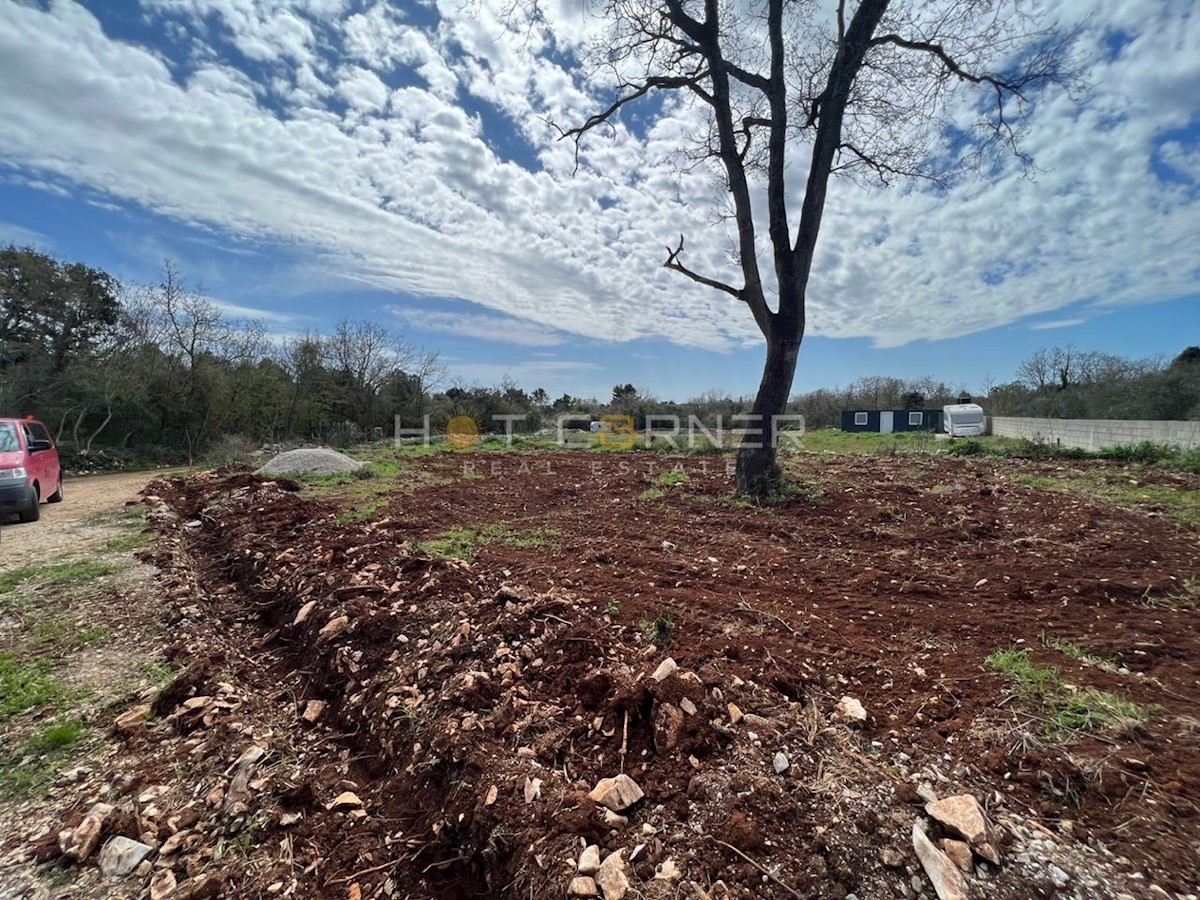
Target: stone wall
point(1092, 434)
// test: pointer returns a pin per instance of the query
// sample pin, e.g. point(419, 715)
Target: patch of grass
point(1065, 709)
point(363, 513)
point(127, 543)
point(653, 494)
point(65, 635)
point(124, 516)
point(674, 476)
point(1073, 650)
point(57, 575)
point(1186, 595)
point(460, 543)
point(158, 673)
point(27, 768)
point(1118, 488)
point(25, 684)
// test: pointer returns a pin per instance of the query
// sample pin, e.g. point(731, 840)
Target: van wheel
point(57, 496)
point(33, 513)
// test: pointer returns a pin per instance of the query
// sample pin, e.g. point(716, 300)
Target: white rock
point(963, 814)
point(589, 860)
point(665, 669)
point(850, 710)
point(120, 855)
point(948, 881)
point(79, 842)
point(533, 789)
point(781, 763)
point(617, 793)
point(582, 886)
point(344, 800)
point(612, 878)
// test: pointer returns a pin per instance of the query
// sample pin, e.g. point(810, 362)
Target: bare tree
point(862, 89)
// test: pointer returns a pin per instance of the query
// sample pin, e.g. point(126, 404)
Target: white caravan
point(964, 420)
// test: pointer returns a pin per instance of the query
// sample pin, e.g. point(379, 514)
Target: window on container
point(916, 418)
point(860, 418)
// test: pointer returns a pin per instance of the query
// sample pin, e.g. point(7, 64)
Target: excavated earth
point(431, 726)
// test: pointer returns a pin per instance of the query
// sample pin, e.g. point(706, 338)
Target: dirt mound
point(310, 461)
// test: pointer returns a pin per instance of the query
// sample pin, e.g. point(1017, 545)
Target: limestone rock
point(589, 860)
point(960, 854)
point(850, 710)
point(963, 814)
point(612, 877)
point(668, 726)
point(735, 713)
point(781, 763)
point(79, 842)
point(582, 886)
point(162, 885)
point(120, 855)
point(133, 719)
point(344, 800)
point(313, 710)
point(948, 881)
point(665, 669)
point(617, 793)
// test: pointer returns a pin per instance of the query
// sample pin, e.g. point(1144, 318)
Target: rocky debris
point(310, 461)
point(162, 885)
point(313, 710)
point(963, 815)
point(612, 877)
point(120, 855)
point(79, 842)
point(665, 670)
point(132, 719)
point(533, 790)
point(735, 713)
point(615, 820)
point(237, 797)
point(582, 886)
point(781, 763)
point(344, 801)
point(668, 726)
point(948, 882)
point(617, 793)
point(850, 710)
point(891, 857)
point(589, 860)
point(960, 854)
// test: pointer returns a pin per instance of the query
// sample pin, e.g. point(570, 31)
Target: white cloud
point(482, 326)
point(408, 190)
point(1056, 323)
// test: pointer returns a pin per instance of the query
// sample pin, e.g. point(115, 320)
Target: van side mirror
point(39, 446)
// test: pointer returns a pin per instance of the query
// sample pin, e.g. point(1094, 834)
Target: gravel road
point(71, 525)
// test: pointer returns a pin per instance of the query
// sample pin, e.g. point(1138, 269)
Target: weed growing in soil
point(653, 494)
point(658, 631)
point(29, 766)
point(1186, 596)
point(126, 543)
point(674, 476)
point(1067, 648)
point(460, 543)
point(24, 684)
point(64, 635)
point(1065, 708)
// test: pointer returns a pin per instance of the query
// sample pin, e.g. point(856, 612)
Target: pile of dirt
point(310, 461)
point(684, 699)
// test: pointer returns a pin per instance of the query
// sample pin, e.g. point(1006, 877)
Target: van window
point(860, 418)
point(8, 438)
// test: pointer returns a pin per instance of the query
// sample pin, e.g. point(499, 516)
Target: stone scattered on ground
point(963, 814)
point(120, 855)
point(850, 710)
point(948, 882)
point(617, 793)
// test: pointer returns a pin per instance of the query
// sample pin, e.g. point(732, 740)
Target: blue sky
point(311, 159)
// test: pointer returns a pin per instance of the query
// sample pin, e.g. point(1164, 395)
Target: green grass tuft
point(56, 574)
point(461, 543)
point(25, 684)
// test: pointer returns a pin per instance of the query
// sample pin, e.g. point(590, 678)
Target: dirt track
point(65, 526)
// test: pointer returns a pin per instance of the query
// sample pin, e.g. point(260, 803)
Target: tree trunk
point(758, 473)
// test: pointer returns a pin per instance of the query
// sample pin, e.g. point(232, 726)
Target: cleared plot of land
point(440, 658)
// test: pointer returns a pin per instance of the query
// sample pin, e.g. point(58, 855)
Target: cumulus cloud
point(412, 157)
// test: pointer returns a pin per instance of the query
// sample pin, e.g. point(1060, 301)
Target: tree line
point(162, 373)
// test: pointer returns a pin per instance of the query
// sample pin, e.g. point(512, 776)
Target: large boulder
point(310, 461)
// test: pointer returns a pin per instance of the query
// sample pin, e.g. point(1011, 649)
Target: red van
point(29, 468)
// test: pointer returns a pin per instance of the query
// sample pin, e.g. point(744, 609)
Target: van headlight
point(17, 472)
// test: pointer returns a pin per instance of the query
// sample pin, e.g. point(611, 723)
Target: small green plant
point(158, 673)
point(658, 631)
point(125, 543)
point(1185, 595)
point(460, 543)
point(653, 494)
point(611, 608)
point(1032, 680)
point(673, 476)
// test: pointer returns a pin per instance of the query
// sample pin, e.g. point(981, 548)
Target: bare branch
point(674, 263)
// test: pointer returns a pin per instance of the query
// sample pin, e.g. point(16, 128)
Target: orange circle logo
point(462, 431)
